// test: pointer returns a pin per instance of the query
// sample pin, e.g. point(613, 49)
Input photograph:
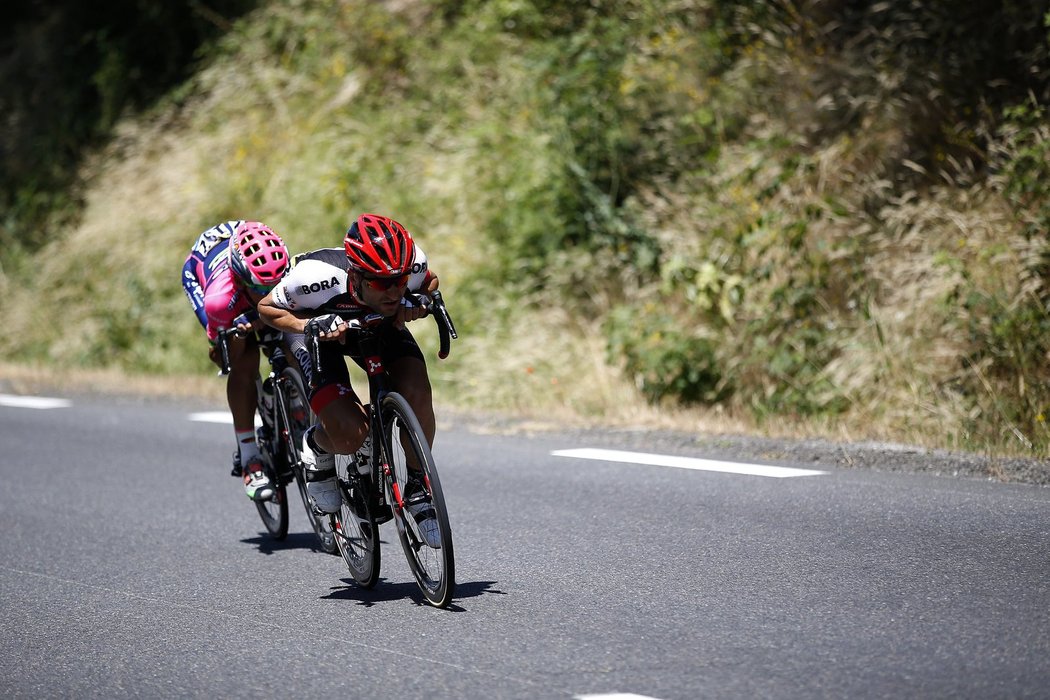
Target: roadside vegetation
point(802, 217)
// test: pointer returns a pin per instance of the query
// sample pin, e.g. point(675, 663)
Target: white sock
point(246, 445)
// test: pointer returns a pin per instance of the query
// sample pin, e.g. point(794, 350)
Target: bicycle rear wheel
point(298, 417)
point(404, 443)
point(355, 529)
point(274, 510)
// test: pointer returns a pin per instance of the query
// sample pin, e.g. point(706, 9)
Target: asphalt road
point(132, 565)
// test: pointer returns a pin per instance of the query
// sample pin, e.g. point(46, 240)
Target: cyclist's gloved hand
point(417, 300)
point(323, 325)
point(413, 306)
point(243, 323)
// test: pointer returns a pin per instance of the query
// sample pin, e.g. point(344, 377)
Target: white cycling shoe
point(256, 484)
point(321, 484)
point(325, 494)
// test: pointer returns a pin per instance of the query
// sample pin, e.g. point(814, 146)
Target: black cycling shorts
point(396, 343)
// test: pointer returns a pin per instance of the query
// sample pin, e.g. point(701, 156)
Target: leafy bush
point(806, 209)
point(668, 362)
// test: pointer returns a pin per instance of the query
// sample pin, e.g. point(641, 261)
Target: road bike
point(285, 414)
point(373, 482)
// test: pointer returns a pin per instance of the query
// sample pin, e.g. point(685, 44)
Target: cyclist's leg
point(407, 370)
point(341, 428)
point(241, 395)
point(409, 378)
point(290, 347)
point(342, 419)
point(240, 383)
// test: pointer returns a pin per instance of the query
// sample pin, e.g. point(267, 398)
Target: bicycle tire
point(355, 528)
point(299, 417)
point(273, 511)
point(433, 568)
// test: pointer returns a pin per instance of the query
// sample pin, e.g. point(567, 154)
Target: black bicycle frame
point(369, 346)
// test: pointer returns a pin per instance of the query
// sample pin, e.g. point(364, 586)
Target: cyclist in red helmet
point(378, 264)
point(230, 268)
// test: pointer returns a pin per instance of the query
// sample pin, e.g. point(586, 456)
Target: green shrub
point(751, 199)
point(667, 361)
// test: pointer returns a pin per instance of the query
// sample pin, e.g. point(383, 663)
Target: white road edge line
point(710, 465)
point(218, 417)
point(39, 402)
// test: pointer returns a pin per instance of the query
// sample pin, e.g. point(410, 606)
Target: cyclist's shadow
point(295, 540)
point(385, 592)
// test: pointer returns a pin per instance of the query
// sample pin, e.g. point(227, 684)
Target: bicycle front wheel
point(354, 526)
point(407, 454)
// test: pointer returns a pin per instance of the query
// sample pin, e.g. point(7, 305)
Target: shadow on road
point(384, 592)
point(295, 540)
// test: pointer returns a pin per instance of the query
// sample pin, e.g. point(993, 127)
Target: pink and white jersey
point(208, 280)
point(223, 302)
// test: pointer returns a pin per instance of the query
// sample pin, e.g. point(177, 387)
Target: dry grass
point(25, 379)
point(273, 135)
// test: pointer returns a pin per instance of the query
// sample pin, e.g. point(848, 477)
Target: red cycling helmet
point(378, 246)
point(258, 256)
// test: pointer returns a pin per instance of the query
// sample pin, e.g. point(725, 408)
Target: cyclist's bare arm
point(281, 319)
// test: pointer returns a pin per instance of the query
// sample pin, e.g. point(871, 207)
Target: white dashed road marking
point(218, 417)
point(212, 417)
point(40, 402)
point(710, 465)
point(614, 696)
